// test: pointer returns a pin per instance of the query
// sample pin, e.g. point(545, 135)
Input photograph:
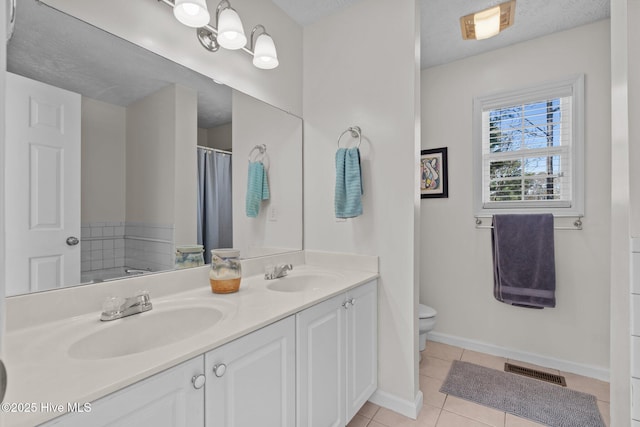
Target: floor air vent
point(532, 373)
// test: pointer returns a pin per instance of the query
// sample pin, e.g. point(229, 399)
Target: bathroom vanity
point(296, 351)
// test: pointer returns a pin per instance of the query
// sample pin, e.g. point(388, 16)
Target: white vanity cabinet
point(336, 344)
point(167, 399)
point(251, 381)
point(330, 349)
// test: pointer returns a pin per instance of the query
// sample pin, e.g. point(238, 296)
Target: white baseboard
point(395, 404)
point(537, 359)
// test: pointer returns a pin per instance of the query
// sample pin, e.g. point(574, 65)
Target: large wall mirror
point(118, 158)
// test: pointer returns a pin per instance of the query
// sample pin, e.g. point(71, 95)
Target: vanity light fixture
point(489, 22)
point(228, 31)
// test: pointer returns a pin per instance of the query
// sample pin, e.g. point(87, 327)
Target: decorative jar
point(226, 271)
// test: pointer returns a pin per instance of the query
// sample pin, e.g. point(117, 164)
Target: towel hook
point(262, 148)
point(355, 131)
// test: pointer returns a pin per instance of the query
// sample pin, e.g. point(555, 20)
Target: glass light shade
point(230, 30)
point(192, 13)
point(264, 53)
point(487, 23)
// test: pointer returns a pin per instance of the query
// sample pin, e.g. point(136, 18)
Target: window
point(528, 150)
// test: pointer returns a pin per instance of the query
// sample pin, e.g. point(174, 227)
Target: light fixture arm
point(253, 36)
point(219, 9)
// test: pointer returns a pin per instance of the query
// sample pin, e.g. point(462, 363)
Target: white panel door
point(42, 186)
point(320, 343)
point(362, 346)
point(167, 399)
point(254, 379)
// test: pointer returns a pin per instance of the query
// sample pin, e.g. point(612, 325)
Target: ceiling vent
point(489, 22)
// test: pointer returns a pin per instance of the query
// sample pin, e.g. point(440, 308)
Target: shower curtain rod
point(214, 149)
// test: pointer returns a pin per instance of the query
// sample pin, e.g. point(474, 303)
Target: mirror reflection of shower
point(215, 213)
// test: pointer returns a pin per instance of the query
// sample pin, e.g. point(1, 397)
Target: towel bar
point(262, 148)
point(577, 225)
point(356, 132)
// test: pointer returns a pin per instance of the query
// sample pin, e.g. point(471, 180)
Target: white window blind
point(526, 150)
point(529, 157)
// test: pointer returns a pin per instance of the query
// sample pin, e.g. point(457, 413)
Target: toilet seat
point(426, 312)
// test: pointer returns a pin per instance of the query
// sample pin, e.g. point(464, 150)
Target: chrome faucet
point(277, 271)
point(118, 307)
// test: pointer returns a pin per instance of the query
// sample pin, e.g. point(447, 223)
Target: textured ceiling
point(441, 41)
point(57, 49)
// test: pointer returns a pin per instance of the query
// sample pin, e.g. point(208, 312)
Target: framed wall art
point(433, 173)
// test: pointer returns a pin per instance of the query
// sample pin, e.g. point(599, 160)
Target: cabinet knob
point(198, 381)
point(346, 304)
point(220, 369)
point(352, 301)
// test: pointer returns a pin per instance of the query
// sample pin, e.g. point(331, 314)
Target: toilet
point(426, 323)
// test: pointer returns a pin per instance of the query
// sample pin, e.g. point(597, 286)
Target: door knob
point(72, 241)
point(198, 381)
point(220, 369)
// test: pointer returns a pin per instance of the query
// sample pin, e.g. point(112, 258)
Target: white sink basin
point(302, 282)
point(144, 331)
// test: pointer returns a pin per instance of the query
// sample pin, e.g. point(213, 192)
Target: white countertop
point(41, 370)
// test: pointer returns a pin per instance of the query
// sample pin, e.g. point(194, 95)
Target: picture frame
point(434, 179)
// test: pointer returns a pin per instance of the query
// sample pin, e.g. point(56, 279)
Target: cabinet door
point(253, 383)
point(167, 399)
point(320, 342)
point(362, 346)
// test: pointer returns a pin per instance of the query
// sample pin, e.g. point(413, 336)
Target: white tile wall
point(97, 245)
point(149, 246)
point(109, 246)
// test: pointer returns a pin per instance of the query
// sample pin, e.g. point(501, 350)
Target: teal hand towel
point(257, 188)
point(348, 197)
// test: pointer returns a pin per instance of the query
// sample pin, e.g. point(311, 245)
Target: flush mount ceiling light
point(489, 22)
point(228, 31)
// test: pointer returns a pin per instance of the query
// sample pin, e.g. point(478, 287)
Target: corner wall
point(355, 76)
point(161, 161)
point(103, 184)
point(457, 277)
point(278, 226)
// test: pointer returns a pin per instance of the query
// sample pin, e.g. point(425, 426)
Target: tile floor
point(442, 410)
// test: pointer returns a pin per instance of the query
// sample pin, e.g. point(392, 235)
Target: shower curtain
point(215, 221)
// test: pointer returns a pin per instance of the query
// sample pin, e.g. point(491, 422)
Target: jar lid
point(226, 253)
point(187, 249)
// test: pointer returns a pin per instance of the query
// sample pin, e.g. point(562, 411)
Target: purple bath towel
point(524, 269)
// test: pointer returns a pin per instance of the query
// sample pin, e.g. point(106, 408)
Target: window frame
point(573, 86)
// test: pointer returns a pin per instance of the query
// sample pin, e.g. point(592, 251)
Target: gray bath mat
point(536, 400)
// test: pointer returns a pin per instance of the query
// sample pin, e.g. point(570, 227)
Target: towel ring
point(356, 132)
point(262, 148)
